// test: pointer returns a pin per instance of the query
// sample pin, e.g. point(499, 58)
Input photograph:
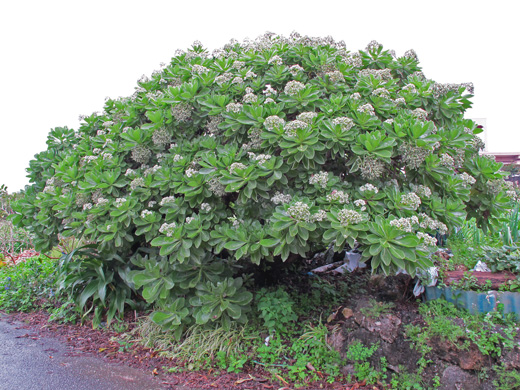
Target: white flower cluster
point(409, 88)
point(177, 158)
point(189, 219)
point(371, 168)
point(467, 180)
point(160, 137)
point(152, 203)
point(273, 121)
point(205, 207)
point(238, 65)
point(300, 211)
point(190, 172)
point(354, 60)
point(426, 222)
point(199, 69)
point(182, 112)
point(321, 179)
point(399, 101)
point(108, 124)
point(101, 202)
point(307, 117)
point(345, 123)
point(420, 114)
point(268, 91)
point(168, 229)
point(293, 87)
point(234, 107)
point(411, 54)
point(411, 200)
point(216, 187)
point(235, 221)
point(381, 92)
point(336, 76)
point(141, 154)
point(373, 45)
point(368, 188)
point(152, 170)
point(349, 217)
point(137, 182)
point(250, 75)
point(361, 204)
point(383, 74)
point(119, 202)
point(367, 108)
point(96, 150)
point(167, 200)
point(223, 78)
point(405, 224)
point(276, 59)
point(249, 98)
point(295, 70)
point(146, 213)
point(390, 121)
point(87, 206)
point(101, 132)
point(88, 159)
point(338, 196)
point(422, 191)
point(261, 158)
point(237, 80)
point(355, 96)
point(107, 156)
point(319, 216)
point(427, 239)
point(279, 198)
point(292, 126)
point(413, 156)
point(446, 160)
point(236, 165)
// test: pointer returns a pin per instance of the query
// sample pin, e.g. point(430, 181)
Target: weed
point(276, 310)
point(27, 286)
point(376, 309)
point(358, 353)
point(405, 380)
point(506, 379)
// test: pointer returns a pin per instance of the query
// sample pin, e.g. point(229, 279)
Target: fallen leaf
point(347, 313)
point(310, 367)
point(243, 380)
point(283, 380)
point(155, 372)
point(101, 349)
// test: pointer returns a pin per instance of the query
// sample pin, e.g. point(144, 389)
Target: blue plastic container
point(476, 302)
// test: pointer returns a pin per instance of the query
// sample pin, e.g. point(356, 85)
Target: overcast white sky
point(60, 59)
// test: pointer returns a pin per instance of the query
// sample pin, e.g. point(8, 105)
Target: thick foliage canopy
point(274, 148)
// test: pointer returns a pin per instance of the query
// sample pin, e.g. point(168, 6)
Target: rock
point(387, 326)
point(467, 359)
point(511, 359)
point(337, 340)
point(347, 313)
point(454, 378)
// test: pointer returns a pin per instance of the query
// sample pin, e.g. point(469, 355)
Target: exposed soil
point(347, 324)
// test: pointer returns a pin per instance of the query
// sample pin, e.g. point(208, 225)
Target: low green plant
point(275, 308)
point(28, 285)
point(312, 351)
point(65, 312)
point(376, 309)
point(360, 354)
point(506, 379)
point(404, 380)
point(491, 334)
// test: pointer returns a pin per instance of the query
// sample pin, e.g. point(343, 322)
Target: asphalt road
point(28, 362)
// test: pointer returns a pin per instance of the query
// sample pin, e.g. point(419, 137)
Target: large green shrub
point(272, 149)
